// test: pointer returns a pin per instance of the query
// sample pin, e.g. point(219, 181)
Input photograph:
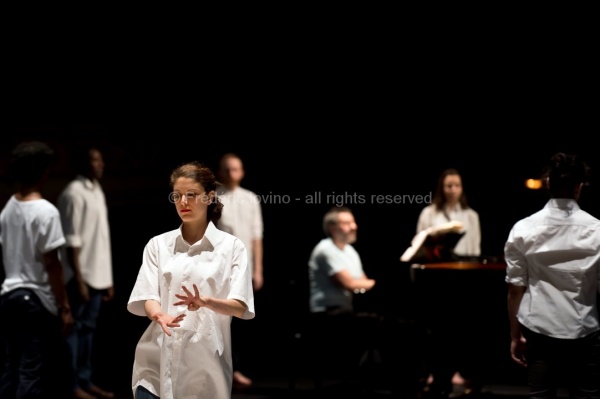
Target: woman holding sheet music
point(449, 345)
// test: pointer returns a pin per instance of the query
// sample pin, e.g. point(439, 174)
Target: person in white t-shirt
point(336, 274)
point(34, 304)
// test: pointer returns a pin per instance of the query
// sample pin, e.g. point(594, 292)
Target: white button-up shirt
point(195, 361)
point(84, 215)
point(556, 254)
point(470, 243)
point(242, 217)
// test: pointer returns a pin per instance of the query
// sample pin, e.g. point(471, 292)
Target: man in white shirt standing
point(553, 272)
point(88, 259)
point(242, 217)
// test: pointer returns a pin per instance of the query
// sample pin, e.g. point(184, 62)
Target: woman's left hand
point(192, 301)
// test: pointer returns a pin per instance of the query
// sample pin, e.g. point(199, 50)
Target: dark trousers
point(239, 344)
point(81, 340)
point(335, 343)
point(32, 348)
point(143, 393)
point(572, 362)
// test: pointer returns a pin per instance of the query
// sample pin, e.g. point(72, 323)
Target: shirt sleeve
point(257, 222)
point(476, 227)
point(241, 279)
point(146, 285)
point(330, 262)
point(598, 285)
point(50, 233)
point(516, 263)
point(424, 219)
point(71, 210)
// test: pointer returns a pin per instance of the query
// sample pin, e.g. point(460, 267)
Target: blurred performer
point(452, 359)
point(553, 272)
point(335, 274)
point(242, 217)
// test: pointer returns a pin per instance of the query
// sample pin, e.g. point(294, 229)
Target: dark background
point(350, 105)
point(288, 169)
point(355, 117)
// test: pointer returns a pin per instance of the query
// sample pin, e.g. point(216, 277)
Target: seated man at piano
point(336, 274)
point(448, 218)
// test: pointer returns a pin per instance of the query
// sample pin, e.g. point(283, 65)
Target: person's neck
point(232, 186)
point(89, 176)
point(28, 193)
point(193, 232)
point(451, 205)
point(340, 244)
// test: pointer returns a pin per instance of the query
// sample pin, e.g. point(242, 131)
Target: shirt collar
point(563, 204)
point(90, 184)
point(207, 243)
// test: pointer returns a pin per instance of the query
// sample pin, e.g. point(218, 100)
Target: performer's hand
point(517, 351)
point(192, 301)
point(167, 321)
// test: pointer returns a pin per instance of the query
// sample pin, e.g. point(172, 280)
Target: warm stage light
point(533, 184)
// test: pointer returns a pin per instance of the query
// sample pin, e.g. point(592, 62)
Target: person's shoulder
point(322, 247)
point(428, 209)
point(222, 235)
point(71, 188)
point(528, 221)
point(49, 205)
point(590, 218)
point(352, 248)
point(472, 211)
point(46, 209)
point(216, 235)
point(244, 191)
point(167, 236)
point(324, 244)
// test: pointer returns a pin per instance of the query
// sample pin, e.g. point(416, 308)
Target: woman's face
point(452, 188)
point(191, 200)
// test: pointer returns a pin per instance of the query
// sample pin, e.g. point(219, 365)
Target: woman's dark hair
point(439, 199)
point(565, 172)
point(206, 178)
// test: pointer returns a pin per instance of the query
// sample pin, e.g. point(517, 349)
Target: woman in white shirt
point(192, 281)
point(449, 204)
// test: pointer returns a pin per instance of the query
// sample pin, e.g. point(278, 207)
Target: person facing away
point(450, 204)
point(88, 263)
point(191, 283)
point(336, 274)
point(242, 217)
point(33, 297)
point(553, 275)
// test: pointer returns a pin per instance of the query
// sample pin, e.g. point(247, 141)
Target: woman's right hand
point(167, 321)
